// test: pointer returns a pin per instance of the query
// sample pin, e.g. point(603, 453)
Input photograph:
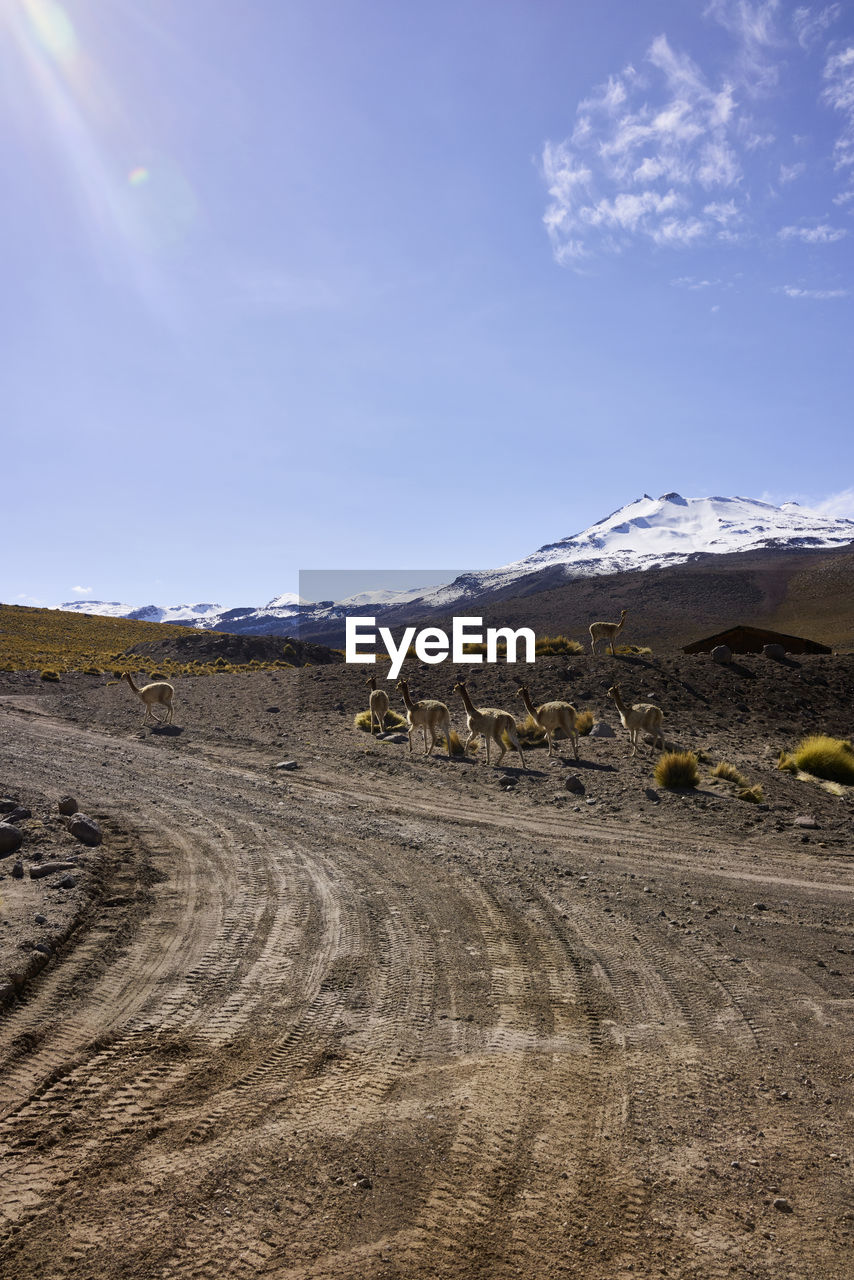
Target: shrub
point(677, 770)
point(729, 773)
point(49, 674)
point(753, 795)
point(92, 671)
point(530, 733)
point(363, 721)
point(633, 650)
point(584, 722)
point(823, 757)
point(457, 745)
point(549, 646)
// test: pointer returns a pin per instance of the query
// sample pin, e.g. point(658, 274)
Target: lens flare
point(52, 27)
point(138, 176)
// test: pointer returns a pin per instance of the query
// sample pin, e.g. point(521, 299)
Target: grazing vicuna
point(490, 723)
point(378, 704)
point(160, 693)
point(430, 714)
point(552, 716)
point(606, 631)
point(643, 717)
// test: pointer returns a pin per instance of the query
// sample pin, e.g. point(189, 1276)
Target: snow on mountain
point(290, 600)
point(383, 596)
point(655, 532)
point(193, 615)
point(647, 533)
point(102, 608)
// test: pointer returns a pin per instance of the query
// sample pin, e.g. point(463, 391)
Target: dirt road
point(341, 1023)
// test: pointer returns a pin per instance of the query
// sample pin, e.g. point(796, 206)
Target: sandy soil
point(393, 1017)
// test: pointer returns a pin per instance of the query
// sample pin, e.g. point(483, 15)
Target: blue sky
point(299, 285)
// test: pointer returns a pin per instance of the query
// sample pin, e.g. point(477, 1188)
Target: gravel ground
point(393, 1016)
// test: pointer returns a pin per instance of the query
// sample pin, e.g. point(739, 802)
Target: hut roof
point(744, 639)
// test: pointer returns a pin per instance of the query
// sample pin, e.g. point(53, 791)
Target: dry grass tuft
point(729, 773)
point(822, 757)
point(457, 745)
point(551, 646)
point(49, 674)
point(584, 722)
point(753, 795)
point(677, 771)
point(633, 650)
point(363, 721)
point(529, 732)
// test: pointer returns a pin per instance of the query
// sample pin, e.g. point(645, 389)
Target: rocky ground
point(382, 1016)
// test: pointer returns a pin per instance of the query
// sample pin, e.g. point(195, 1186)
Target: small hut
point(743, 639)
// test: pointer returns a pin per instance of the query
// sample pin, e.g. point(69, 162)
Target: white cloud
point(839, 94)
point(691, 282)
point(643, 149)
point(723, 213)
point(837, 504)
point(818, 295)
point(789, 172)
point(810, 24)
point(753, 26)
point(82, 591)
point(668, 154)
point(31, 600)
point(822, 234)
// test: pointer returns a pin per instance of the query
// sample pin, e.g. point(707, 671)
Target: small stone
point(363, 1182)
point(67, 882)
point(759, 906)
point(67, 805)
point(575, 785)
point(7, 805)
point(782, 1205)
point(10, 838)
point(287, 764)
point(590, 800)
point(49, 869)
point(19, 814)
point(804, 820)
point(721, 654)
point(18, 871)
point(652, 794)
point(774, 651)
point(272, 710)
point(86, 830)
point(43, 948)
point(602, 729)
point(39, 918)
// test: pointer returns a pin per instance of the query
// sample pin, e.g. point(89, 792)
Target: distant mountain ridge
point(648, 533)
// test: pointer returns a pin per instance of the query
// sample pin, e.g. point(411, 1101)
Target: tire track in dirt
point(292, 993)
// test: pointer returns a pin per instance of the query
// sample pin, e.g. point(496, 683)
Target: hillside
point(37, 639)
point(803, 592)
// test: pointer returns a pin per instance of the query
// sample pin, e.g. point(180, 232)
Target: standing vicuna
point(642, 716)
point(552, 716)
point(430, 714)
point(378, 703)
point(490, 723)
point(606, 631)
point(160, 693)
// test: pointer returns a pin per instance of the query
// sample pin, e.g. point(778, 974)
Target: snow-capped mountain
point(647, 533)
point(186, 615)
point(655, 532)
